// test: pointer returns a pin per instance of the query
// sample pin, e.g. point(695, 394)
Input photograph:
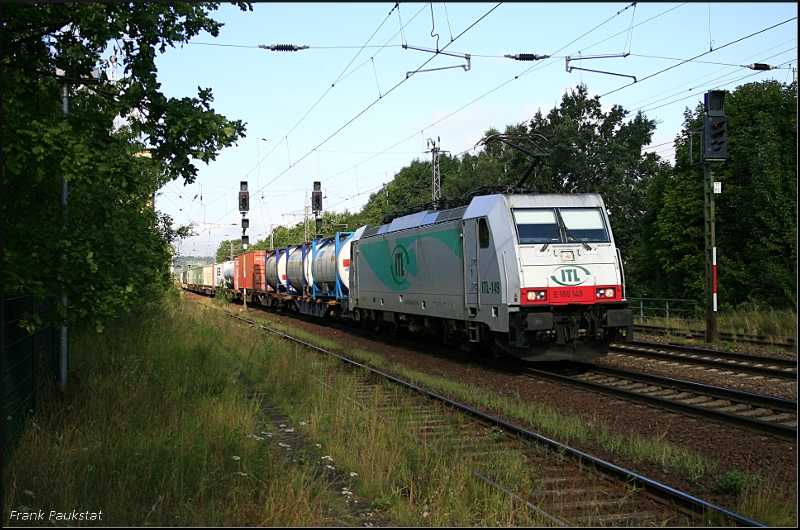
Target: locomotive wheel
point(497, 352)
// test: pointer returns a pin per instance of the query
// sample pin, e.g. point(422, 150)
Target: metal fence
point(30, 360)
point(662, 307)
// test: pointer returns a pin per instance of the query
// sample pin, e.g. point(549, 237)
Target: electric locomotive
point(534, 275)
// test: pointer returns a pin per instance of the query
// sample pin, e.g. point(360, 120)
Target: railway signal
point(316, 197)
point(715, 149)
point(715, 127)
point(716, 137)
point(244, 197)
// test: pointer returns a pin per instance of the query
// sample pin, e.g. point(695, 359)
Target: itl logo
point(572, 275)
point(401, 260)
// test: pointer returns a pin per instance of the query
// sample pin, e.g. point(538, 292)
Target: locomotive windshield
point(560, 225)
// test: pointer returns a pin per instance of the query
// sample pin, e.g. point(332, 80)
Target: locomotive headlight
point(536, 296)
point(609, 293)
point(567, 255)
point(605, 293)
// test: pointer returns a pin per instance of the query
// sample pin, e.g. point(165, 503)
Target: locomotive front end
point(570, 299)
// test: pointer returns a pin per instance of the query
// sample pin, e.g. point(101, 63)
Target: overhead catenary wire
point(438, 121)
point(387, 93)
point(698, 56)
point(758, 54)
point(704, 84)
point(341, 77)
point(524, 74)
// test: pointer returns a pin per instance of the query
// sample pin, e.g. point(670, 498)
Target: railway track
point(720, 360)
point(570, 487)
point(765, 414)
point(760, 340)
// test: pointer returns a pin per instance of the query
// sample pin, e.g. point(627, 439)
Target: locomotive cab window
point(560, 225)
point(483, 233)
point(536, 225)
point(584, 224)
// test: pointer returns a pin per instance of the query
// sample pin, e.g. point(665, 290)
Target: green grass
point(155, 415)
point(774, 324)
point(148, 432)
point(554, 423)
point(409, 483)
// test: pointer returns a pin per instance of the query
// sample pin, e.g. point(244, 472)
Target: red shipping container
point(253, 277)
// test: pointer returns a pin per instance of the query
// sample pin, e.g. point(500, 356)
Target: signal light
point(716, 137)
point(244, 201)
point(316, 201)
point(244, 197)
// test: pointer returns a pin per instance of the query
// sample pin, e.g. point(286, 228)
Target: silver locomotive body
point(534, 275)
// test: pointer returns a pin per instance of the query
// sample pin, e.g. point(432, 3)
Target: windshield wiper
point(549, 239)
point(567, 233)
point(570, 237)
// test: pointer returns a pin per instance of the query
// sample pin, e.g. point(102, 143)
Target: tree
point(224, 250)
point(756, 213)
point(117, 247)
point(590, 151)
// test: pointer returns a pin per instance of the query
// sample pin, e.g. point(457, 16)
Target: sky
point(350, 112)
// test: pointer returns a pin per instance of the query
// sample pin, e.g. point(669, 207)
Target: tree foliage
point(756, 213)
point(117, 247)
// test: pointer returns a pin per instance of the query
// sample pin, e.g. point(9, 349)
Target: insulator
point(527, 57)
point(282, 47)
point(761, 66)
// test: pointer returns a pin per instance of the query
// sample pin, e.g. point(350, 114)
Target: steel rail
point(656, 490)
point(757, 400)
point(691, 355)
point(723, 335)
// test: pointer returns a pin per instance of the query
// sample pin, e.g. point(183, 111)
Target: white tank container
point(327, 266)
point(227, 274)
point(292, 254)
point(294, 267)
point(271, 269)
point(281, 266)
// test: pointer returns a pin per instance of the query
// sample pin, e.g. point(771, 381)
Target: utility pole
point(436, 186)
point(715, 149)
point(63, 343)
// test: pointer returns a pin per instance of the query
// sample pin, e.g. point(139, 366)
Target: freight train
point(512, 271)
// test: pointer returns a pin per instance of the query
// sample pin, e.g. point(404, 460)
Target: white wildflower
point(237, 458)
point(29, 493)
point(242, 474)
point(319, 445)
point(291, 429)
point(353, 474)
point(302, 423)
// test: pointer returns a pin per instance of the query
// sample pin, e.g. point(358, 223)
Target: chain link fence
point(30, 360)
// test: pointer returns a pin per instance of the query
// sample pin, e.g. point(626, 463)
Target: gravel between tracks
point(735, 449)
